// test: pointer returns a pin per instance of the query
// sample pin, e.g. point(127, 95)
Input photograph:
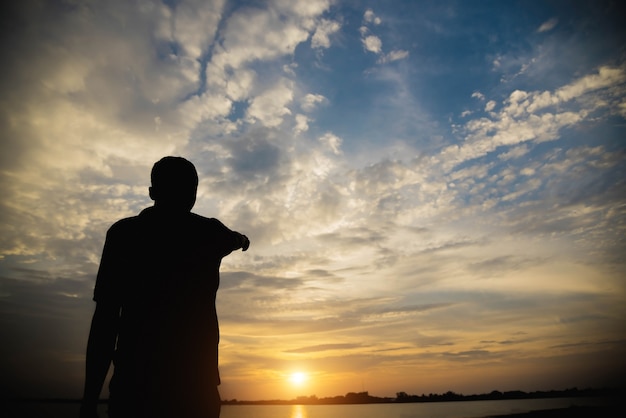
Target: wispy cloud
point(548, 25)
point(394, 56)
point(323, 347)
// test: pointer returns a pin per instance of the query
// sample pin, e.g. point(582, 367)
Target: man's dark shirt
point(163, 271)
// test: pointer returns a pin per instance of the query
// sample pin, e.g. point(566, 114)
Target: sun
point(298, 378)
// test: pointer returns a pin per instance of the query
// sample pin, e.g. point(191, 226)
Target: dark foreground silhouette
point(155, 316)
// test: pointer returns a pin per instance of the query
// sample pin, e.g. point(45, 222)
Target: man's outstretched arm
point(245, 242)
point(100, 349)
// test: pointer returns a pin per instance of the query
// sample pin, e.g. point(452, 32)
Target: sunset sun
point(298, 378)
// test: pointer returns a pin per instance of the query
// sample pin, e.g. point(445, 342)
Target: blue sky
point(434, 191)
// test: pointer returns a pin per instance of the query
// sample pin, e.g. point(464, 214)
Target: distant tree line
point(403, 397)
point(497, 395)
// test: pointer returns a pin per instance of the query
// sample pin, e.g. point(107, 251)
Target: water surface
point(473, 409)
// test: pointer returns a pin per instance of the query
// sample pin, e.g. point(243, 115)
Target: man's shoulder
point(203, 221)
point(146, 216)
point(125, 224)
point(149, 219)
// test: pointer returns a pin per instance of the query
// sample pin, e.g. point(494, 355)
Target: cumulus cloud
point(240, 84)
point(331, 141)
point(190, 22)
point(302, 123)
point(321, 37)
point(370, 17)
point(252, 34)
point(310, 101)
point(478, 95)
point(270, 107)
point(373, 44)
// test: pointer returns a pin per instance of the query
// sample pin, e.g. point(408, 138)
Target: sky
point(434, 190)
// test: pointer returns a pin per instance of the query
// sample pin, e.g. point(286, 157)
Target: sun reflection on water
point(298, 411)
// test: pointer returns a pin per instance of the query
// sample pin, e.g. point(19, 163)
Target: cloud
point(370, 17)
point(478, 95)
point(516, 152)
point(252, 34)
point(270, 107)
point(190, 23)
point(331, 141)
point(394, 56)
point(310, 101)
point(323, 347)
point(372, 44)
point(321, 37)
point(520, 121)
point(240, 84)
point(302, 123)
point(548, 25)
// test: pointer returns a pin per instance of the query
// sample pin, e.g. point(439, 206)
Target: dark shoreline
point(359, 398)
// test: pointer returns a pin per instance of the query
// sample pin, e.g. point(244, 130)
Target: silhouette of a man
point(155, 316)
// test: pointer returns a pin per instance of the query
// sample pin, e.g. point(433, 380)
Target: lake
point(473, 409)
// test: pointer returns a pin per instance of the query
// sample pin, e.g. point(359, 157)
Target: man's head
point(174, 184)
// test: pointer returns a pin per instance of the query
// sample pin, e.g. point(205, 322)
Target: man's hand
point(100, 349)
point(245, 243)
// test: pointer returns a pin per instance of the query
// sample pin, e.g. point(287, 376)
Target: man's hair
point(172, 172)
